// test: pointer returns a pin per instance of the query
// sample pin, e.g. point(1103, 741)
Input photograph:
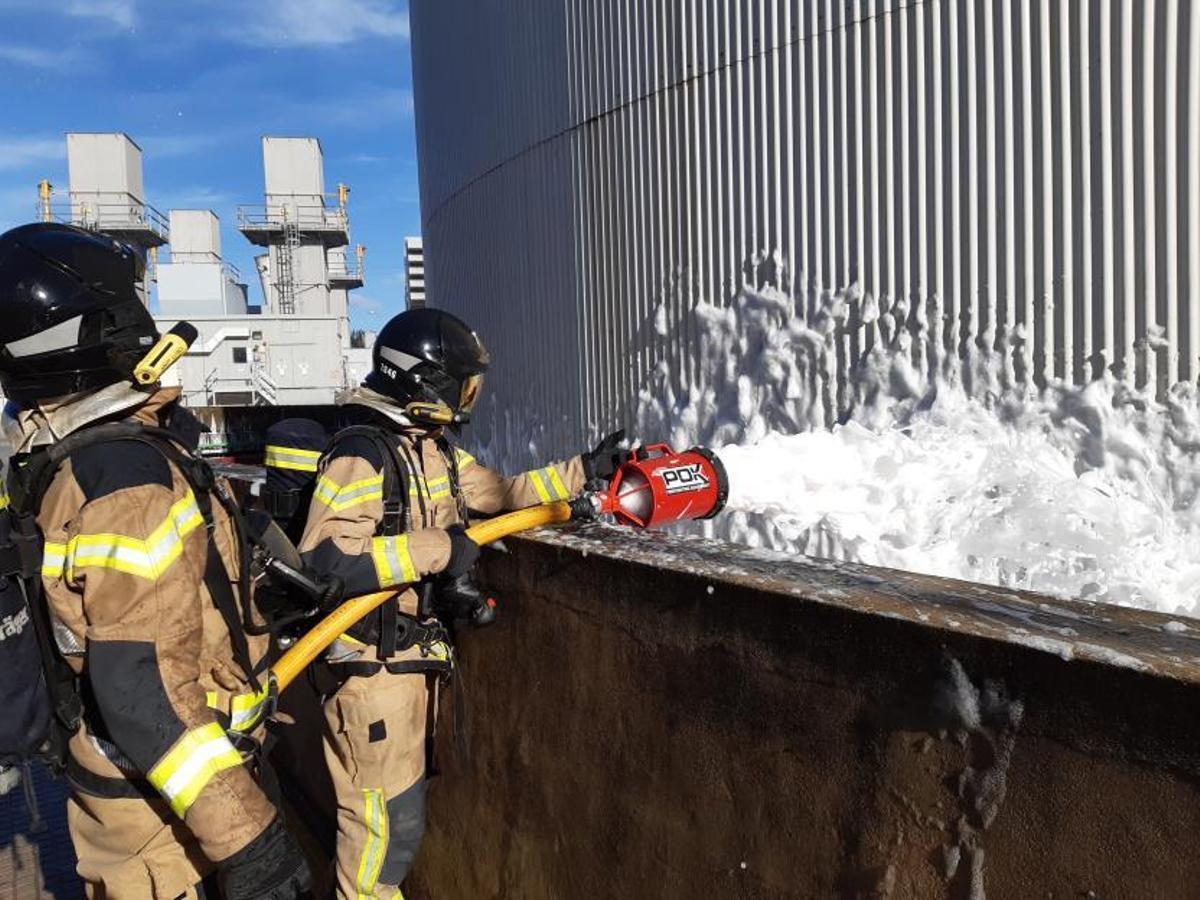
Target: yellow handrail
point(313, 644)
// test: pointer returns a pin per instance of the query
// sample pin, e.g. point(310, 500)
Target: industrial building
point(1015, 176)
point(249, 362)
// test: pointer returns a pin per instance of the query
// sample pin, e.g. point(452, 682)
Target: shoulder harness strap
point(40, 468)
point(396, 483)
point(395, 475)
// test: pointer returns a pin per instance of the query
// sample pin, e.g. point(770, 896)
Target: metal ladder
point(285, 281)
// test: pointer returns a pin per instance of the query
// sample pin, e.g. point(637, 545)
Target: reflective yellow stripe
point(393, 563)
point(3, 497)
point(292, 458)
point(375, 818)
point(464, 458)
point(245, 710)
point(54, 558)
point(436, 488)
point(539, 486)
point(148, 558)
point(556, 482)
point(190, 765)
point(341, 497)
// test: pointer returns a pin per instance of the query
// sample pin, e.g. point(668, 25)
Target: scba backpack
point(38, 688)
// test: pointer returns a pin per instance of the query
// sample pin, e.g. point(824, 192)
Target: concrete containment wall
point(655, 717)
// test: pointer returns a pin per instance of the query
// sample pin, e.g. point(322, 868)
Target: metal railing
point(345, 265)
point(111, 211)
point(309, 217)
point(264, 387)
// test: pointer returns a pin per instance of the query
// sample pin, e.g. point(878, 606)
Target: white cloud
point(37, 57)
point(169, 146)
point(21, 153)
point(283, 23)
point(370, 106)
point(122, 13)
point(194, 196)
point(360, 303)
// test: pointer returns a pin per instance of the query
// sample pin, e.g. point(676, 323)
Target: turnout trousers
point(375, 747)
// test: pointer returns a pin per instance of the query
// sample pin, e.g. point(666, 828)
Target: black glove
point(458, 599)
point(464, 552)
point(602, 463)
point(270, 867)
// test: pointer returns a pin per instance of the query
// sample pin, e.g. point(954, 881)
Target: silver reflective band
point(57, 337)
point(405, 361)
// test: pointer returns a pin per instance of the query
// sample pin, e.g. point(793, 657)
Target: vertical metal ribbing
point(857, 29)
point(1191, 288)
point(1170, 300)
point(1028, 225)
point(714, 252)
point(619, 209)
point(757, 139)
point(951, 172)
point(636, 192)
point(1051, 296)
point(779, 116)
point(1064, 210)
point(576, 69)
point(1090, 179)
point(1151, 167)
point(906, 276)
point(924, 144)
point(662, 162)
point(1127, 294)
point(829, 136)
point(738, 182)
point(787, 187)
point(843, 153)
point(972, 149)
point(605, 289)
point(990, 225)
point(1006, 238)
point(874, 283)
point(801, 158)
point(934, 207)
point(887, 113)
point(729, 196)
point(639, 284)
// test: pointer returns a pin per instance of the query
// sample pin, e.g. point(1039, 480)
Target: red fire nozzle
point(658, 485)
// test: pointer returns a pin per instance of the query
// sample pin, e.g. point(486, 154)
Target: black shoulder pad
point(109, 466)
point(357, 445)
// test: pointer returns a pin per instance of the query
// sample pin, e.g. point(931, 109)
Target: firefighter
point(164, 797)
point(389, 510)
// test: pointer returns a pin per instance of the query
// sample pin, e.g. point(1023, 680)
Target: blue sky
point(197, 83)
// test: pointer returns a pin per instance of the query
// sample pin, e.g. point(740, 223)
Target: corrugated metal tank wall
point(1018, 174)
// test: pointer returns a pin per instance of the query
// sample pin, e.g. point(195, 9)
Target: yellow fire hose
point(313, 644)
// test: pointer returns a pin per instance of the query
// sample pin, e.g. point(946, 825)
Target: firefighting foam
point(954, 467)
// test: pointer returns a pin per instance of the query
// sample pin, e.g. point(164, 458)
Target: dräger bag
point(25, 725)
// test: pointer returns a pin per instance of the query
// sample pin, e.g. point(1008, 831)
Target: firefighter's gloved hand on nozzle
point(270, 867)
point(610, 454)
point(464, 552)
point(456, 597)
point(458, 600)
